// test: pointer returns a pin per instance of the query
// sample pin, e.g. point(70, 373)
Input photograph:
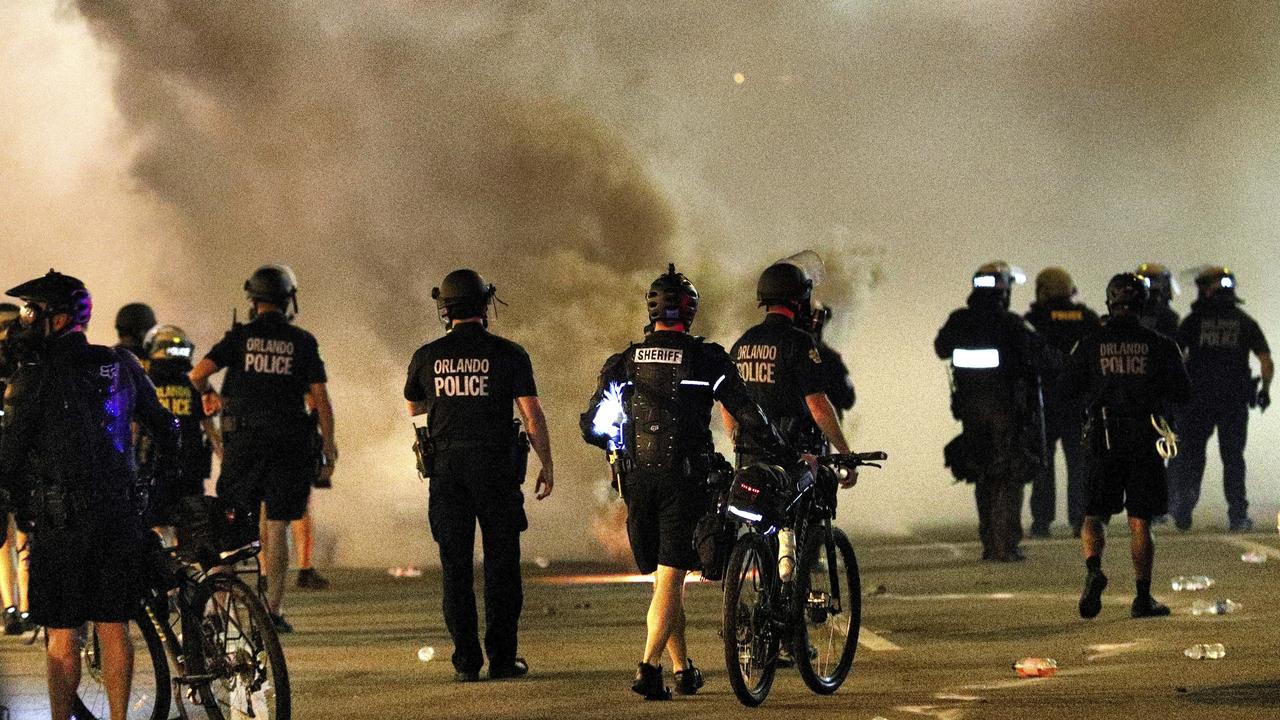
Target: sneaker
point(1091, 599)
point(309, 579)
point(689, 680)
point(1241, 526)
point(28, 625)
point(466, 676)
point(648, 683)
point(517, 668)
point(12, 625)
point(281, 625)
point(1148, 606)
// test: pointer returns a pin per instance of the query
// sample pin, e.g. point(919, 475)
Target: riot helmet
point(1054, 283)
point(784, 283)
point(1163, 285)
point(672, 298)
point(1217, 282)
point(50, 295)
point(168, 342)
point(135, 320)
point(275, 284)
point(995, 281)
point(462, 294)
point(1128, 293)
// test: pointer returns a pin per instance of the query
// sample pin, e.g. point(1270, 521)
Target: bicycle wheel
point(149, 694)
point(750, 636)
point(828, 610)
point(238, 650)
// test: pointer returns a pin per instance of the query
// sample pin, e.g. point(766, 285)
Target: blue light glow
point(610, 415)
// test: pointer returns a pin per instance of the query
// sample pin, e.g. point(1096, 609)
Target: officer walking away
point(460, 390)
point(274, 371)
point(1130, 377)
point(133, 322)
point(783, 369)
point(652, 410)
point(995, 357)
point(1158, 315)
point(1062, 322)
point(1217, 338)
point(839, 385)
point(68, 455)
point(169, 351)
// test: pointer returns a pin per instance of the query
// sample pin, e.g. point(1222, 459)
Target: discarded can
point(1036, 667)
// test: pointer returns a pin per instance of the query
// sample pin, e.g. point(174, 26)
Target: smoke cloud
point(568, 151)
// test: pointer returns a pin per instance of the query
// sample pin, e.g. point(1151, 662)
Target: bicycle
point(816, 604)
point(210, 641)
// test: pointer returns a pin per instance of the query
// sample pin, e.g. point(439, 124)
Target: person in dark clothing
point(67, 457)
point(274, 373)
point(133, 322)
point(652, 407)
point(1218, 338)
point(1158, 315)
point(783, 370)
point(995, 357)
point(839, 385)
point(13, 542)
point(1061, 322)
point(169, 350)
point(460, 390)
point(1130, 377)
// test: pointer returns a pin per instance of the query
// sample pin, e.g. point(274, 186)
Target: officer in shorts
point(68, 457)
point(662, 389)
point(273, 371)
point(461, 390)
point(1130, 376)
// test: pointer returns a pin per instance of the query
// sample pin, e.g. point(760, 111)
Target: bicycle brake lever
point(874, 465)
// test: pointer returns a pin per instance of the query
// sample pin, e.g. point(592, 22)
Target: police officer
point(1158, 315)
point(653, 403)
point(1130, 377)
point(1061, 322)
point(68, 453)
point(1217, 338)
point(13, 543)
point(461, 389)
point(839, 385)
point(274, 371)
point(133, 322)
point(995, 357)
point(169, 351)
point(783, 369)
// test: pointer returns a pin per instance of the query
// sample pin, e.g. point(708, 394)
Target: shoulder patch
point(815, 356)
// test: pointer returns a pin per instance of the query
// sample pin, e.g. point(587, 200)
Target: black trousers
point(1065, 424)
point(993, 439)
point(1196, 424)
point(471, 486)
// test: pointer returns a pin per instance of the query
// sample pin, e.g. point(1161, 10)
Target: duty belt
point(445, 444)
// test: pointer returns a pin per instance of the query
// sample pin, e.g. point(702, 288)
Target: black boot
point(648, 683)
point(1145, 606)
point(689, 680)
point(1091, 599)
point(12, 625)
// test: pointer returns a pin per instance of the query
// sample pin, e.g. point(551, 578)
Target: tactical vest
point(656, 413)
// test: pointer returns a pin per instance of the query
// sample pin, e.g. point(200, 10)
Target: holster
point(424, 451)
point(519, 451)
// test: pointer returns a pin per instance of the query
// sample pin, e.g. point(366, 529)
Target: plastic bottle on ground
point(1253, 557)
point(426, 653)
point(1214, 607)
point(1191, 582)
point(786, 554)
point(1036, 667)
point(1206, 651)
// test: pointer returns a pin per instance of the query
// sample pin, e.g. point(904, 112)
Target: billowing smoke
point(568, 151)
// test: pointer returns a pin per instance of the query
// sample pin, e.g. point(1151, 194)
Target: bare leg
point(7, 561)
point(1142, 547)
point(666, 613)
point(23, 547)
point(677, 650)
point(117, 666)
point(1093, 537)
point(303, 540)
point(277, 562)
point(63, 663)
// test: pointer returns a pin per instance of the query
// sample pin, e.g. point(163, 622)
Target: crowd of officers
point(1133, 400)
point(83, 423)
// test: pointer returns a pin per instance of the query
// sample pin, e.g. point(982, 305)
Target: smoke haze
point(163, 149)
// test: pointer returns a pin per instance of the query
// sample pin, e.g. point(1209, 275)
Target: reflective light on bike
point(981, 359)
point(745, 514)
point(610, 415)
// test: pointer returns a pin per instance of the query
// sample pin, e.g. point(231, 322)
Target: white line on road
point(874, 642)
point(1270, 552)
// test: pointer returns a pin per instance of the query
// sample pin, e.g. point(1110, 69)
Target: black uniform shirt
point(837, 383)
point(69, 421)
point(1063, 323)
point(271, 366)
point(469, 379)
point(1218, 337)
point(1004, 349)
point(1132, 371)
point(179, 397)
point(1161, 318)
point(781, 366)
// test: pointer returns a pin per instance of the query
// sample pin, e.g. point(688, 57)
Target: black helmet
point(168, 342)
point(462, 294)
point(1163, 285)
point(61, 293)
point(1216, 281)
point(1128, 292)
point(784, 283)
point(275, 284)
point(135, 319)
point(672, 298)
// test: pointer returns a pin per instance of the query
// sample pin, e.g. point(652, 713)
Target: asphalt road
point(943, 627)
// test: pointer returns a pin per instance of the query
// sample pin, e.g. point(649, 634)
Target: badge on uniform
point(665, 356)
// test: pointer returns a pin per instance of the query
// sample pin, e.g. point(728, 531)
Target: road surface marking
point(1270, 552)
point(874, 642)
